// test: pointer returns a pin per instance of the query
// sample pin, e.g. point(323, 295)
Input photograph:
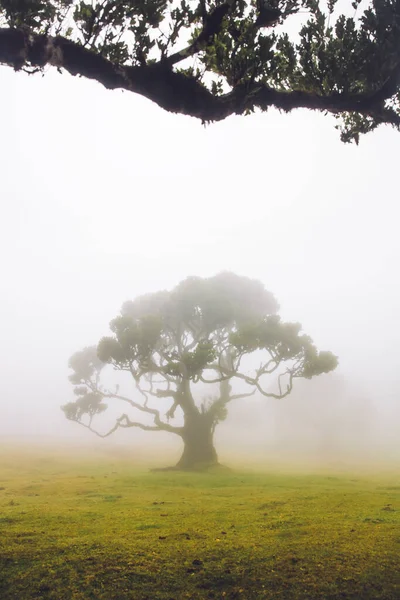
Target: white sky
point(104, 196)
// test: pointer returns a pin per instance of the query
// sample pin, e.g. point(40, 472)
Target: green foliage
point(196, 361)
point(134, 340)
point(317, 363)
point(180, 333)
point(88, 404)
point(202, 326)
point(284, 341)
point(220, 301)
point(270, 333)
point(40, 16)
point(28, 13)
point(85, 364)
point(228, 47)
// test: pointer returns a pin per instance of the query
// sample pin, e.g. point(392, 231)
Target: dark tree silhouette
point(202, 332)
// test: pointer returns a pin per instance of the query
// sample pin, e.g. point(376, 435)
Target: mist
point(105, 197)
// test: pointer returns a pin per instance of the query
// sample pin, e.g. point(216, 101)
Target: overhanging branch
point(176, 92)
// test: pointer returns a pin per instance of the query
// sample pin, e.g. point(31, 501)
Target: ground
point(84, 527)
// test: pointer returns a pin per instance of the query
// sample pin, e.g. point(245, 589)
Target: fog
point(105, 197)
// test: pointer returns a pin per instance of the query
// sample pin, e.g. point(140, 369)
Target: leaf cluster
point(87, 404)
point(229, 47)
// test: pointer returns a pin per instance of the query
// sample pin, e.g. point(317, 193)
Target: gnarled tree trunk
point(198, 451)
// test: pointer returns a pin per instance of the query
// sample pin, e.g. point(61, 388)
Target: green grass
point(85, 528)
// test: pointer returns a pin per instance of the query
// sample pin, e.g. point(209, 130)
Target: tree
point(213, 58)
point(205, 332)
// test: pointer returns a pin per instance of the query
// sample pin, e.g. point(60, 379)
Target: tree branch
point(223, 401)
point(217, 379)
point(132, 403)
point(122, 422)
point(176, 92)
point(143, 408)
point(212, 27)
point(281, 394)
point(240, 396)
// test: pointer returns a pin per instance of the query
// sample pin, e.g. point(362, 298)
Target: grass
point(84, 528)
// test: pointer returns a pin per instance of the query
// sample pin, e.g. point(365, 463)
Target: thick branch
point(212, 27)
point(176, 92)
point(185, 398)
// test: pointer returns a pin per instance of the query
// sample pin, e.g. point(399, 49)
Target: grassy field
point(76, 527)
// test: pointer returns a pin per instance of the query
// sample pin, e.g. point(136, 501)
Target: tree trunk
point(198, 450)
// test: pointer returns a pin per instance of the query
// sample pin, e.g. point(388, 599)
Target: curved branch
point(160, 425)
point(176, 92)
point(131, 402)
point(256, 383)
point(266, 370)
point(221, 402)
point(217, 379)
point(122, 422)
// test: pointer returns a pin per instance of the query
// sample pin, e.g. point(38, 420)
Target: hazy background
point(104, 197)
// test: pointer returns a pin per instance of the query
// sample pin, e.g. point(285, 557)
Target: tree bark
point(198, 451)
point(176, 92)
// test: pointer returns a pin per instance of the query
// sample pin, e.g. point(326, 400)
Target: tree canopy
point(218, 332)
point(213, 58)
